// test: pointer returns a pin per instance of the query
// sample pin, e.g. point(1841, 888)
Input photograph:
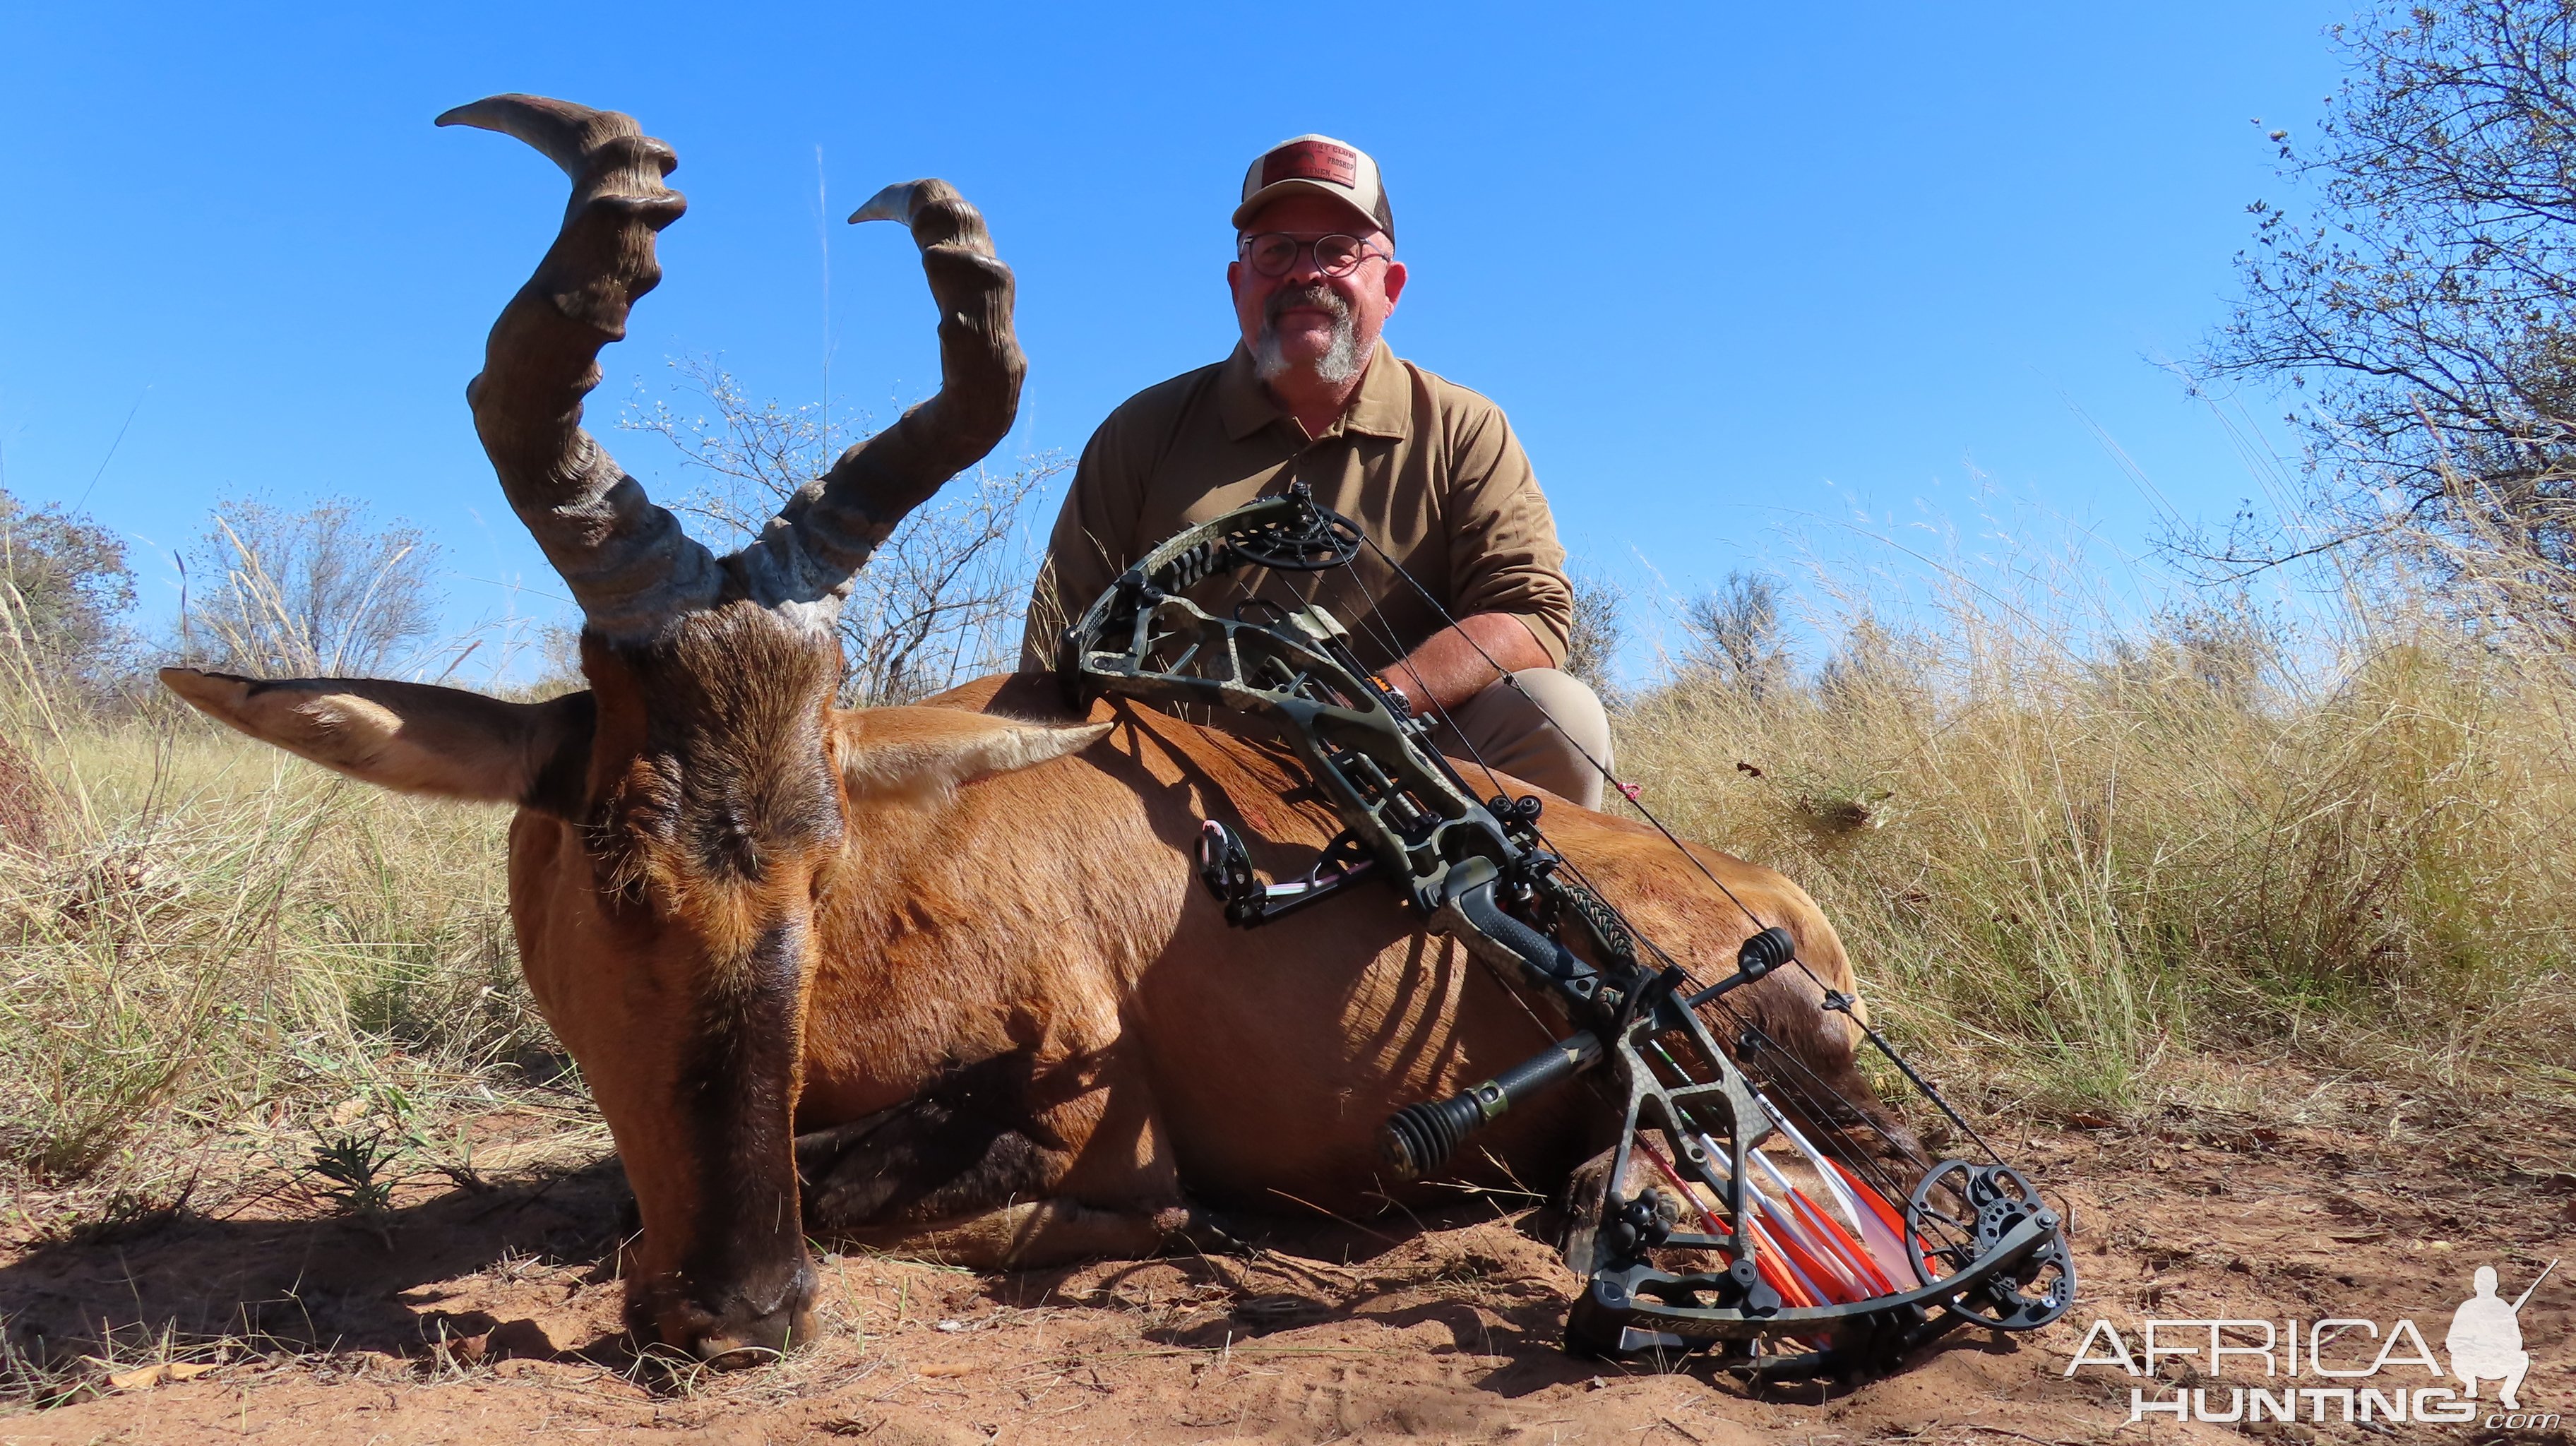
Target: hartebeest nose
point(758, 1343)
point(749, 1336)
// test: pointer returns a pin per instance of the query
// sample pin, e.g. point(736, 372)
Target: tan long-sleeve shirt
point(1428, 469)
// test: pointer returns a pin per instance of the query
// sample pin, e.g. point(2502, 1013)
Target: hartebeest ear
point(411, 736)
point(919, 754)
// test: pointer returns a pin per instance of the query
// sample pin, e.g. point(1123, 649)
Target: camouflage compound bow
point(1783, 1279)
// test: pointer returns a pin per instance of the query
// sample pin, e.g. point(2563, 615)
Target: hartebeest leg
point(1012, 1163)
point(1033, 1235)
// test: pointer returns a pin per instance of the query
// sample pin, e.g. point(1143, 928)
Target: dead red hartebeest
point(937, 976)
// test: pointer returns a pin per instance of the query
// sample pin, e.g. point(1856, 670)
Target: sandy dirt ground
point(486, 1315)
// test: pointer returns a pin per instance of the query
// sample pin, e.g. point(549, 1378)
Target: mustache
point(1318, 297)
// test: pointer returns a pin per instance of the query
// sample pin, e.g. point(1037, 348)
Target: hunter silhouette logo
point(2347, 1368)
point(2486, 1338)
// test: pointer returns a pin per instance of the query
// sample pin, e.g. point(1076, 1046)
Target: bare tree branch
point(2429, 302)
point(938, 603)
point(316, 593)
point(1735, 638)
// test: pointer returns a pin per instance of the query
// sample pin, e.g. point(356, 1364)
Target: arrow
point(2535, 1285)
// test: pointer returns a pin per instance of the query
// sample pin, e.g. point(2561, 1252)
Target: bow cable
point(1631, 1302)
point(1834, 999)
point(1816, 1109)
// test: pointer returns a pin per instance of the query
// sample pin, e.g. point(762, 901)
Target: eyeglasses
point(1274, 253)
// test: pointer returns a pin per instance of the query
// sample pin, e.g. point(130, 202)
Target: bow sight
point(1786, 1274)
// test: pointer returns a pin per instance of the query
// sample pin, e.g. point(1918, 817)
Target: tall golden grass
point(2075, 859)
point(2073, 862)
point(197, 932)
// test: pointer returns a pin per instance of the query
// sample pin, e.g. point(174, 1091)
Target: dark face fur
point(715, 817)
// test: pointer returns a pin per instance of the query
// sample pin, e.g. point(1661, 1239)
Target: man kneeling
point(1427, 468)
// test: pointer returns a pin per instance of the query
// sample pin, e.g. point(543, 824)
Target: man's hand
point(1450, 667)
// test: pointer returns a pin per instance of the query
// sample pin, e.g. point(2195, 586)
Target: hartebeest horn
point(627, 562)
point(826, 531)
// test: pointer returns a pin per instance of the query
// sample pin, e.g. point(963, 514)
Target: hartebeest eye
point(728, 848)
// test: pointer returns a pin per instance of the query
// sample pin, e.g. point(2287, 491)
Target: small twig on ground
point(1330, 1215)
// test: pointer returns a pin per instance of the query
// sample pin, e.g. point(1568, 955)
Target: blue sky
point(1733, 271)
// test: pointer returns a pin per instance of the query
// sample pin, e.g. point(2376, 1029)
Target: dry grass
point(211, 949)
point(2076, 864)
point(2075, 861)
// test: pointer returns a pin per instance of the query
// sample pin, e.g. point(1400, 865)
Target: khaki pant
point(1506, 727)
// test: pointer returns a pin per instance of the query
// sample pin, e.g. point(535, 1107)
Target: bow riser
point(1974, 1244)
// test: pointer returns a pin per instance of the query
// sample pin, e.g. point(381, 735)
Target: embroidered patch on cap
point(1311, 161)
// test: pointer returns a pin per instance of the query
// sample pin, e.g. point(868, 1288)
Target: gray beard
point(1340, 362)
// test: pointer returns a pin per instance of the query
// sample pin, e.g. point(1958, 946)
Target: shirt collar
point(1382, 407)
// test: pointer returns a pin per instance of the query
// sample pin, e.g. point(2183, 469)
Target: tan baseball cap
point(1324, 166)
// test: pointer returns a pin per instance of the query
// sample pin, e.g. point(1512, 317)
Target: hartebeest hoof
point(1197, 1229)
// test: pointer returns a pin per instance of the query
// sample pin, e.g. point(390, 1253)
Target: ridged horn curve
point(627, 562)
point(566, 133)
point(894, 203)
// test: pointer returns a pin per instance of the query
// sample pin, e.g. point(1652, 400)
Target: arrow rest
point(1303, 537)
point(1720, 1225)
